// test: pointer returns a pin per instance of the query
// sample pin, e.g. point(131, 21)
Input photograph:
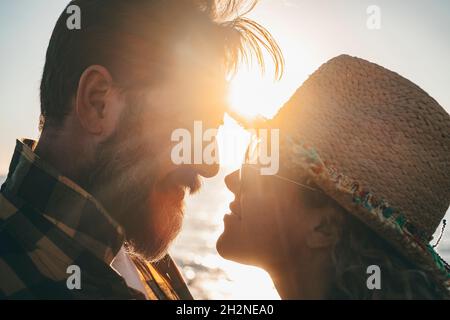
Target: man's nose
point(232, 181)
point(209, 165)
point(207, 170)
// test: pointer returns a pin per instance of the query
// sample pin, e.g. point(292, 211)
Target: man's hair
point(135, 40)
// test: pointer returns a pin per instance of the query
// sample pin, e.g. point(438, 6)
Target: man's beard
point(124, 178)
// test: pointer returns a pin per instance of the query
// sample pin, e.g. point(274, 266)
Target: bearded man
point(88, 210)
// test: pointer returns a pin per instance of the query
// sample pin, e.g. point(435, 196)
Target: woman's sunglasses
point(250, 172)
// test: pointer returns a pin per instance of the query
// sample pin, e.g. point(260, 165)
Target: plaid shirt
point(48, 223)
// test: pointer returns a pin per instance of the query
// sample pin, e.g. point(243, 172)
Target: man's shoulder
point(24, 254)
point(35, 260)
point(7, 208)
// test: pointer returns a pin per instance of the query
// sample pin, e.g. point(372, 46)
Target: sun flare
point(252, 95)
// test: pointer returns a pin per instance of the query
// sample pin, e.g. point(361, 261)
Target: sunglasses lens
point(252, 154)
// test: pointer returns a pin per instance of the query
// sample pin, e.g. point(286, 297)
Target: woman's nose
point(232, 181)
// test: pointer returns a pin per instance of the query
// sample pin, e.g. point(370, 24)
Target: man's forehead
point(198, 60)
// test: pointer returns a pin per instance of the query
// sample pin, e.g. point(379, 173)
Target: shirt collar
point(69, 207)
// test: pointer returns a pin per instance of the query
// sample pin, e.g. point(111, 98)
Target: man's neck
point(62, 152)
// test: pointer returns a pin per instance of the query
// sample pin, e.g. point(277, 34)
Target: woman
point(364, 182)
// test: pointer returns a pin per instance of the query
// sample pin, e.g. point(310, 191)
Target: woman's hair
point(357, 247)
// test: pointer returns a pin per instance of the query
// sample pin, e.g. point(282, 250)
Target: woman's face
point(267, 222)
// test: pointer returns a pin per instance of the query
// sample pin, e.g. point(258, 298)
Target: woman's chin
point(227, 244)
point(229, 251)
point(230, 245)
point(223, 245)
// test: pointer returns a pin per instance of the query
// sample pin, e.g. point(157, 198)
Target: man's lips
point(184, 178)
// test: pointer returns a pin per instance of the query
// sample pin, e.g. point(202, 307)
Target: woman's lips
point(235, 210)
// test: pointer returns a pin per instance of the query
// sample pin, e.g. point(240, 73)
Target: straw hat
point(379, 145)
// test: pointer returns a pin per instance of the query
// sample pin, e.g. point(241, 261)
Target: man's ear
point(322, 230)
point(94, 106)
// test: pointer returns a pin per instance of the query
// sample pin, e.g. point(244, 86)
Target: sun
point(252, 95)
